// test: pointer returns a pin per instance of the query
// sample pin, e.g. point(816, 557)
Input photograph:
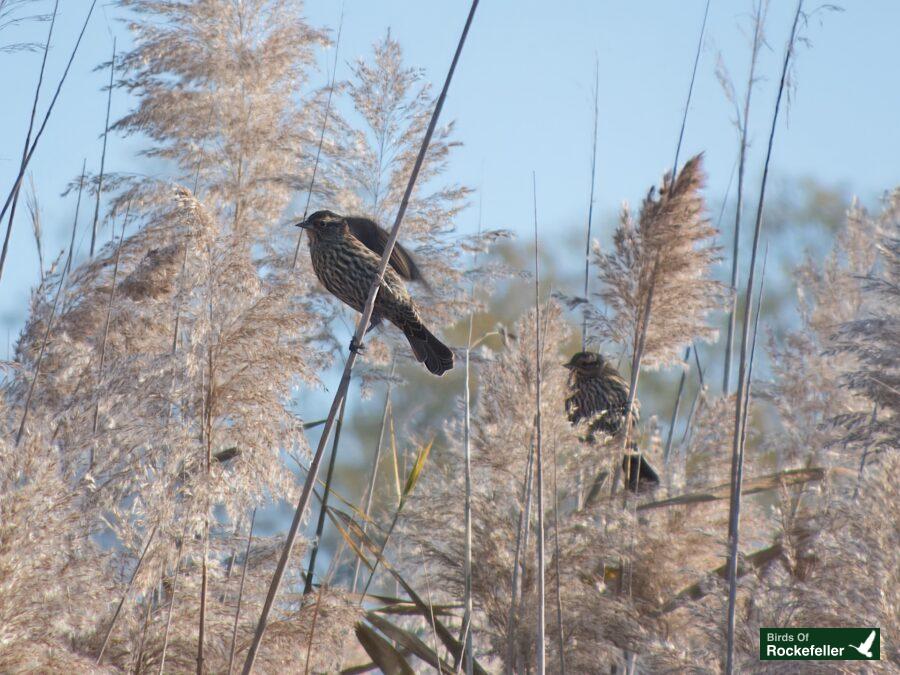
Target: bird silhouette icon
point(866, 647)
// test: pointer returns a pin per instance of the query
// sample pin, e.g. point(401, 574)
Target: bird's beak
point(304, 224)
point(569, 365)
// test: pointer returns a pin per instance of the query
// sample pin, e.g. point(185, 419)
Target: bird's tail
point(436, 356)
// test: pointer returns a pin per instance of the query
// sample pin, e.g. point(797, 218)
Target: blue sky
point(522, 100)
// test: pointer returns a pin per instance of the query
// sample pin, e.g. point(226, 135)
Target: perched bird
point(345, 253)
point(599, 394)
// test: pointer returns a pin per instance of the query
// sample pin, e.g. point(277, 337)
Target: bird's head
point(587, 363)
point(323, 225)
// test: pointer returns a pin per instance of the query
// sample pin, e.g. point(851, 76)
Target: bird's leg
point(357, 347)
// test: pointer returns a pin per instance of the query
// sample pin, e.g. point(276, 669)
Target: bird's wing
point(374, 238)
point(865, 646)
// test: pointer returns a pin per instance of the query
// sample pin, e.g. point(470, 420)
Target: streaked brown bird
point(599, 394)
point(345, 253)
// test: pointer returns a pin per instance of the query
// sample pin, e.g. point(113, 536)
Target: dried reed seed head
point(666, 259)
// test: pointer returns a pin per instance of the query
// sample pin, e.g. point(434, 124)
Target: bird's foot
point(356, 347)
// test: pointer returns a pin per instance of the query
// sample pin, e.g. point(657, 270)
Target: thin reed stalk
point(162, 657)
point(312, 630)
point(128, 588)
point(539, 459)
point(237, 611)
point(204, 583)
point(676, 407)
point(46, 339)
point(24, 161)
point(109, 304)
point(24, 165)
point(693, 408)
point(759, 297)
point(320, 525)
point(743, 124)
point(34, 211)
point(112, 70)
point(467, 464)
point(412, 478)
point(206, 438)
point(521, 535)
point(590, 218)
point(431, 612)
point(640, 339)
point(375, 462)
point(312, 179)
point(341, 392)
point(687, 102)
point(684, 116)
point(556, 553)
point(737, 461)
point(140, 649)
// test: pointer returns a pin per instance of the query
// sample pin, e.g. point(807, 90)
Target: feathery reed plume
point(10, 16)
point(361, 328)
point(668, 252)
point(687, 353)
point(34, 213)
point(365, 169)
point(37, 95)
point(220, 80)
point(869, 338)
point(742, 399)
point(742, 120)
point(112, 71)
point(660, 267)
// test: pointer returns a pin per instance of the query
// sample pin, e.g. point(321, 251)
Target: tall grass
point(742, 400)
point(743, 122)
point(151, 409)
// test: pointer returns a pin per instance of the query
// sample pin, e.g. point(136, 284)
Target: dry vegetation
point(148, 412)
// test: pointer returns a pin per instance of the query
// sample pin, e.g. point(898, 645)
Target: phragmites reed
point(151, 418)
point(663, 260)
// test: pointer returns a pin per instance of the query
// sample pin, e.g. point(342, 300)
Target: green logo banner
point(810, 644)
